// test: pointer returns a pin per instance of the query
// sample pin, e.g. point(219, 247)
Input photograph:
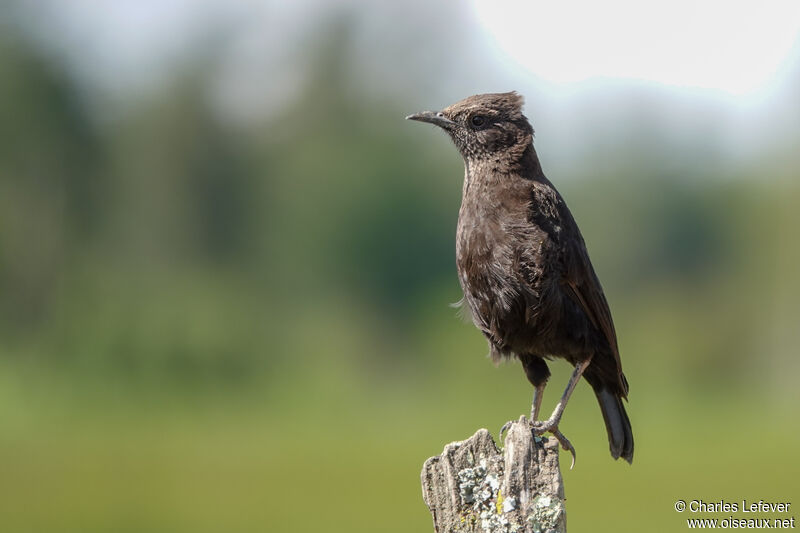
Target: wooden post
point(475, 487)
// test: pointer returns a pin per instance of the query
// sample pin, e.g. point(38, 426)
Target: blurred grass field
point(87, 462)
point(339, 447)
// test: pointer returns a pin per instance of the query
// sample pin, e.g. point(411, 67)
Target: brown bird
point(523, 266)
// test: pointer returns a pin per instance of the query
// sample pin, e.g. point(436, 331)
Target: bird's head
point(485, 126)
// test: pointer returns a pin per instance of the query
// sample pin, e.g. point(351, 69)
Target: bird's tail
point(618, 426)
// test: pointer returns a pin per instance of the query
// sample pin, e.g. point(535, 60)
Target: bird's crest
point(508, 104)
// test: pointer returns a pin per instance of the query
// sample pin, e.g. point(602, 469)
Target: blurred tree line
point(164, 241)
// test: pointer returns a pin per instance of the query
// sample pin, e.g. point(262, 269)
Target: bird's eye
point(477, 121)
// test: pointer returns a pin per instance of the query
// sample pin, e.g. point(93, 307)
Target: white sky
point(734, 46)
point(737, 47)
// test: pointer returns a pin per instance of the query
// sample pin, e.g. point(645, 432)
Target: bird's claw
point(508, 425)
point(566, 444)
point(505, 428)
point(539, 428)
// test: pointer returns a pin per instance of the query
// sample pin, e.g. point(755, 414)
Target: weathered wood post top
point(475, 487)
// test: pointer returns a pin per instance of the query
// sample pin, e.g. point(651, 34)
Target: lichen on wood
point(475, 487)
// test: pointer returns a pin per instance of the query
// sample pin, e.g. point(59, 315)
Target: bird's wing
point(586, 290)
point(584, 287)
point(549, 213)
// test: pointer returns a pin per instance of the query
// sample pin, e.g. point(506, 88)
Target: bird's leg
point(551, 424)
point(555, 418)
point(537, 373)
point(538, 393)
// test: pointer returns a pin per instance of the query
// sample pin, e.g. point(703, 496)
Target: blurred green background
point(226, 262)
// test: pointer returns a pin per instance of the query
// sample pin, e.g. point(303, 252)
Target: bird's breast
point(503, 261)
point(488, 274)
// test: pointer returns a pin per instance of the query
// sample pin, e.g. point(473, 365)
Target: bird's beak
point(434, 117)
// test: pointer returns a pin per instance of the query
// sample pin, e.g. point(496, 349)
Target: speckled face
point(487, 125)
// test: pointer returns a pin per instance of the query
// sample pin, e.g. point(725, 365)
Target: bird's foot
point(539, 428)
point(508, 425)
point(547, 426)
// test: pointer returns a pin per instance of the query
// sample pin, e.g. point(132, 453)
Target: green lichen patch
point(547, 515)
point(479, 489)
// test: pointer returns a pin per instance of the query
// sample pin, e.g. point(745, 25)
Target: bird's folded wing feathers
point(585, 289)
